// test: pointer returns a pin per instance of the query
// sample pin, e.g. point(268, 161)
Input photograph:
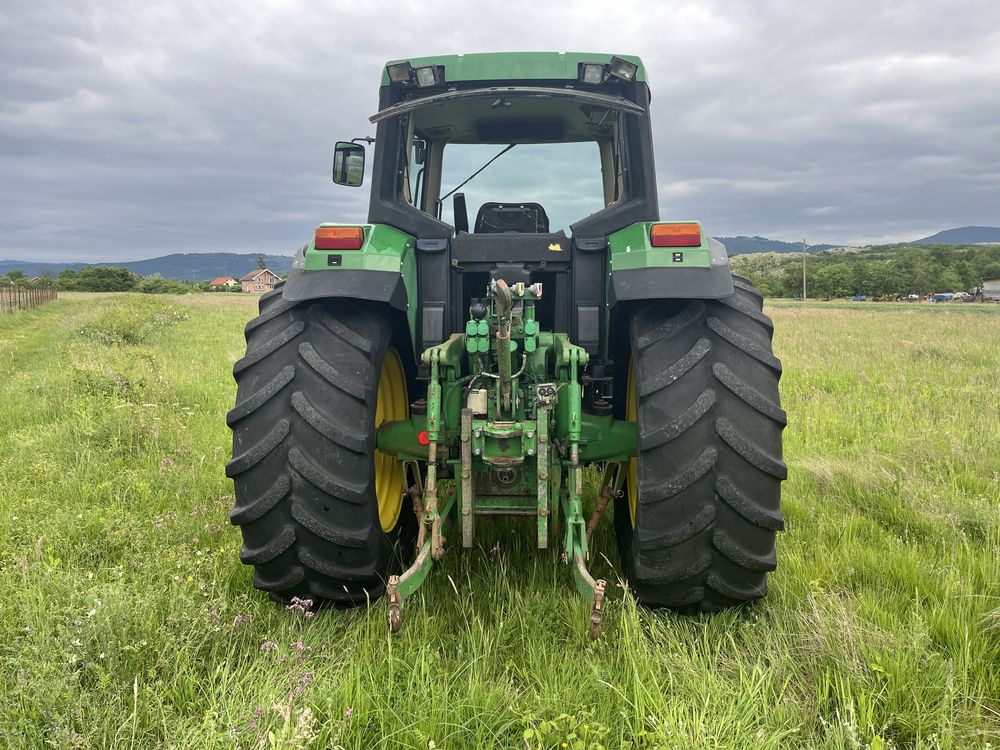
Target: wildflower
point(166, 462)
point(268, 646)
point(348, 712)
point(258, 712)
point(300, 605)
point(300, 646)
point(495, 550)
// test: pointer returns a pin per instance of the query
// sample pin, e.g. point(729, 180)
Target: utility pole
point(803, 269)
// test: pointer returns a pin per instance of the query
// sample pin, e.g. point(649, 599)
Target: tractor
point(429, 369)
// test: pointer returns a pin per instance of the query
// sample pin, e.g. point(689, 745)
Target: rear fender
point(382, 270)
point(640, 271)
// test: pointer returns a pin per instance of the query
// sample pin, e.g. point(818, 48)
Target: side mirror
point(348, 164)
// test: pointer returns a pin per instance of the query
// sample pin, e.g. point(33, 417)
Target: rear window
point(564, 178)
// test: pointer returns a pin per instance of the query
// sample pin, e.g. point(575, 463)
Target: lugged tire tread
point(259, 450)
point(682, 480)
point(718, 583)
point(345, 332)
point(258, 506)
point(743, 343)
point(340, 571)
point(676, 427)
point(283, 582)
point(670, 328)
point(270, 550)
point(710, 462)
point(748, 451)
point(272, 312)
point(681, 571)
point(746, 507)
point(331, 374)
point(744, 284)
point(325, 480)
point(669, 376)
point(742, 557)
point(253, 356)
point(327, 531)
point(264, 394)
point(304, 494)
point(748, 394)
point(312, 416)
point(678, 534)
point(745, 307)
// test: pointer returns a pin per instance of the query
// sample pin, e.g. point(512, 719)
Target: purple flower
point(301, 605)
point(269, 646)
point(348, 712)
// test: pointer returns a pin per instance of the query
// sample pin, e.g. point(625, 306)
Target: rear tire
point(304, 452)
point(705, 488)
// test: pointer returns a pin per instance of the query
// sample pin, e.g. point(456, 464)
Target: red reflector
point(687, 234)
point(339, 238)
point(423, 438)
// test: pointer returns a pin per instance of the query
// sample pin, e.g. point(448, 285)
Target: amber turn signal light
point(339, 238)
point(686, 234)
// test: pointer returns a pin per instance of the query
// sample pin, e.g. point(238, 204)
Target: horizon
point(253, 253)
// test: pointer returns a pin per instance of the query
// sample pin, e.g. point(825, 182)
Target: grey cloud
point(129, 130)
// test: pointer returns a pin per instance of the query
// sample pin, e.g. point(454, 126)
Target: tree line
point(108, 279)
point(886, 271)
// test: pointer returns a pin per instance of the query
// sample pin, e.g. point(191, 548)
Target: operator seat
point(500, 218)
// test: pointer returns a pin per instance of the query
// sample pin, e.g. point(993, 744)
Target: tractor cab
point(513, 166)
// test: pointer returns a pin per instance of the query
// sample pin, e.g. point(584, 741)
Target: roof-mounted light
point(592, 73)
point(400, 72)
point(426, 76)
point(623, 69)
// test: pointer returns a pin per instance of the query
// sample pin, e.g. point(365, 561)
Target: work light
point(400, 72)
point(622, 69)
point(592, 73)
point(426, 76)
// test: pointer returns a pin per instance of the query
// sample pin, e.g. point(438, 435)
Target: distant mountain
point(962, 236)
point(182, 266)
point(739, 245)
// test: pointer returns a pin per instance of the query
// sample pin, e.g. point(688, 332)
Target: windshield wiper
point(469, 178)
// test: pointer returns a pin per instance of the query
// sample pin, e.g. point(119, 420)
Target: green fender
point(384, 270)
point(640, 271)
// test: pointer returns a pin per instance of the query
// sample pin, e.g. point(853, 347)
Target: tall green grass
point(126, 619)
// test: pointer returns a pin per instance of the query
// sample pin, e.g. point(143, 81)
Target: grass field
point(127, 620)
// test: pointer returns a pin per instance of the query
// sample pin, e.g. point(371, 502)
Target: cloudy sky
point(133, 129)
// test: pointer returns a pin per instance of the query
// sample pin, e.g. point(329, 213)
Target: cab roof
point(514, 66)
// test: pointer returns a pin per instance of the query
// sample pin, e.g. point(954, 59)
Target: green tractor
point(430, 368)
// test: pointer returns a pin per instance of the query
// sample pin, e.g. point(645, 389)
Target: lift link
point(520, 439)
point(467, 500)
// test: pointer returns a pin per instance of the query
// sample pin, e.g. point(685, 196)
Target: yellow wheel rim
point(632, 414)
point(392, 403)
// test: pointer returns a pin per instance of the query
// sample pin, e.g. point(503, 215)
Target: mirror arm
point(367, 139)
